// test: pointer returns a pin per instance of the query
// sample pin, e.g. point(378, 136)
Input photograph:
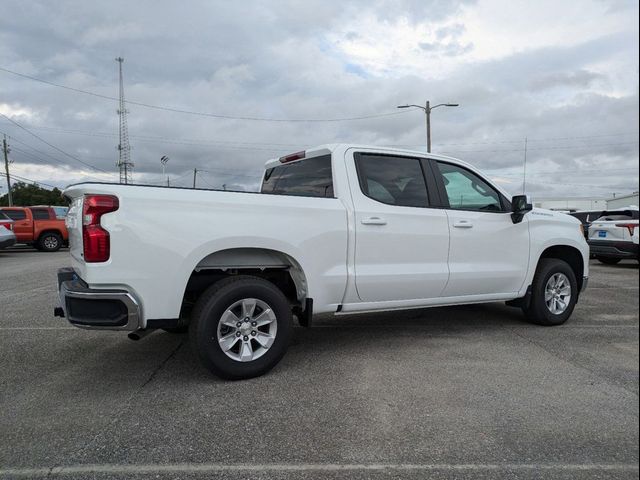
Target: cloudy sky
point(267, 78)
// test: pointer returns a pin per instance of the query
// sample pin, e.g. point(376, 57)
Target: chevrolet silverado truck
point(338, 229)
point(37, 226)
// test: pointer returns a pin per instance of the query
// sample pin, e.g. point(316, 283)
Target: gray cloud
point(246, 58)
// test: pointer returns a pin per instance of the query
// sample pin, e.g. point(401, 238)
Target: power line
point(31, 155)
point(203, 114)
point(73, 157)
point(13, 175)
point(240, 145)
point(297, 145)
point(565, 147)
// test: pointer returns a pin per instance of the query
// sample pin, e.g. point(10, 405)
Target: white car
point(338, 229)
point(7, 237)
point(614, 236)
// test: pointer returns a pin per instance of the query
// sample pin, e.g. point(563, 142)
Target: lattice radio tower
point(124, 149)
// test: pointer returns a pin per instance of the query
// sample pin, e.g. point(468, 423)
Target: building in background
point(577, 204)
point(571, 204)
point(623, 201)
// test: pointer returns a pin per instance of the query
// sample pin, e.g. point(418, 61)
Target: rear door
point(489, 254)
point(401, 242)
point(22, 224)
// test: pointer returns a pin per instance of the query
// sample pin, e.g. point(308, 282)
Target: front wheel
point(554, 293)
point(241, 327)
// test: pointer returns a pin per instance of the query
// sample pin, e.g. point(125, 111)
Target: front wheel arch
point(568, 254)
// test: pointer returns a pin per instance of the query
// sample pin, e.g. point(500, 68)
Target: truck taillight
point(95, 239)
point(629, 226)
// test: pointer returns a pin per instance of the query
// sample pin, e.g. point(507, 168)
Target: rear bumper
point(103, 309)
point(613, 249)
point(7, 242)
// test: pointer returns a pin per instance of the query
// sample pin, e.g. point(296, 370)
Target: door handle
point(373, 221)
point(463, 224)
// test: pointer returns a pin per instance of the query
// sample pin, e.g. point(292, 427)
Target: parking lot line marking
point(187, 468)
point(38, 328)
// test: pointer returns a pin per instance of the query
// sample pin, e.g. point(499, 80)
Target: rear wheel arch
point(275, 266)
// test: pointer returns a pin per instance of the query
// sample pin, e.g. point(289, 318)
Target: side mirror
point(520, 206)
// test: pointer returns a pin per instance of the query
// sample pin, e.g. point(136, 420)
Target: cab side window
point(467, 191)
point(392, 180)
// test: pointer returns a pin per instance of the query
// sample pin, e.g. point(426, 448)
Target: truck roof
point(331, 147)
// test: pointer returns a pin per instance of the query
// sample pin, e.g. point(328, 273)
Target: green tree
point(27, 194)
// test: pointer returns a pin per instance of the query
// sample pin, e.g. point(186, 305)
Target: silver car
point(7, 237)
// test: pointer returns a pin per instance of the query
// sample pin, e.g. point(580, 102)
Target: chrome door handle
point(463, 224)
point(373, 221)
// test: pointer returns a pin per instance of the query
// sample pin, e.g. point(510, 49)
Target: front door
point(489, 254)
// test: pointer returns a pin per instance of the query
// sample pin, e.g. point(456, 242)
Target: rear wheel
point(241, 327)
point(50, 242)
point(554, 293)
point(608, 260)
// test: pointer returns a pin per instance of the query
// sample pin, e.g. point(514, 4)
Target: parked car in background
point(7, 237)
point(614, 236)
point(586, 217)
point(338, 229)
point(60, 211)
point(37, 226)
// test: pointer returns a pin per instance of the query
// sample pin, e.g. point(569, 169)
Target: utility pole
point(163, 161)
point(6, 168)
point(195, 172)
point(124, 149)
point(427, 112)
point(524, 174)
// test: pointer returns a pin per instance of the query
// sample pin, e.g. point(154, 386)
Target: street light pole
point(427, 112)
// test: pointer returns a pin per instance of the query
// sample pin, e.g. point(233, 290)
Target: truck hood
point(543, 213)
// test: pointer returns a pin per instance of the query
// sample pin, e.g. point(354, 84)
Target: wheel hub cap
point(247, 329)
point(557, 293)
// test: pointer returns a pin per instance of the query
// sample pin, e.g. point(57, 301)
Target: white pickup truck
point(337, 229)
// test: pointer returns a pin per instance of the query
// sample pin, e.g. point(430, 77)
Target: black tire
point(537, 312)
point(49, 242)
point(608, 260)
point(208, 311)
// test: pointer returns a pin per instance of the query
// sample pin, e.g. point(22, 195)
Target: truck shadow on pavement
point(399, 335)
point(371, 336)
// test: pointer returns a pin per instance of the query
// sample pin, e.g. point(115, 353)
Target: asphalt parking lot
point(466, 392)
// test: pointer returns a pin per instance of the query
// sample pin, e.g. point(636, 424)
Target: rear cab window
point(310, 177)
point(15, 214)
point(40, 213)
